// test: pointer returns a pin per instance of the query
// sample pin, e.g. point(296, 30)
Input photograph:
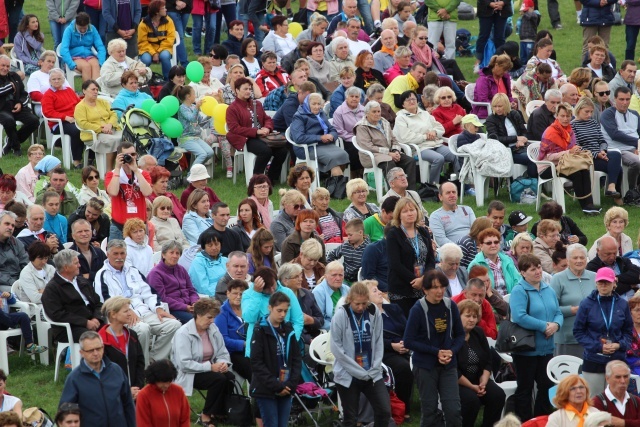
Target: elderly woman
point(290, 275)
point(248, 222)
point(410, 253)
point(604, 327)
point(493, 79)
point(300, 178)
point(279, 40)
point(59, 102)
point(197, 219)
point(521, 244)
point(570, 232)
point(172, 282)
point(547, 238)
point(341, 58)
point(38, 82)
point(95, 114)
point(129, 94)
point(259, 190)
point(310, 125)
point(121, 343)
point(600, 64)
point(162, 401)
point(330, 222)
point(27, 176)
point(572, 286)
point(366, 75)
point(448, 113)
point(402, 65)
point(573, 403)
point(203, 363)
point(347, 76)
point(208, 267)
point(542, 53)
point(156, 36)
point(416, 126)
point(312, 269)
point(306, 224)
point(541, 314)
point(507, 126)
point(357, 192)
point(90, 189)
point(327, 291)
point(166, 227)
point(117, 63)
point(580, 78)
point(320, 68)
point(558, 139)
point(35, 276)
point(177, 75)
point(469, 243)
point(345, 117)
point(198, 180)
point(159, 184)
point(248, 124)
point(271, 76)
point(616, 220)
point(79, 43)
point(376, 93)
point(260, 251)
point(283, 225)
point(374, 134)
point(502, 272)
point(450, 255)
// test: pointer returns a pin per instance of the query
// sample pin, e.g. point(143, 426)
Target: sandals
point(36, 349)
point(202, 423)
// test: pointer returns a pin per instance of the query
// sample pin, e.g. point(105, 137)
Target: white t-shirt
point(8, 403)
point(358, 46)
point(253, 67)
point(285, 45)
point(218, 72)
point(455, 286)
point(597, 71)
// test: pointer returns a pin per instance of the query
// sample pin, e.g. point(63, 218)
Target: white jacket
point(412, 129)
point(140, 256)
point(31, 282)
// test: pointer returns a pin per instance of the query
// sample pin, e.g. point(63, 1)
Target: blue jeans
point(182, 316)
point(631, 34)
point(365, 11)
point(56, 32)
point(613, 167)
point(115, 233)
point(275, 412)
point(198, 148)
point(495, 23)
point(165, 61)
point(229, 12)
point(98, 21)
point(196, 38)
point(526, 49)
point(11, 320)
point(180, 21)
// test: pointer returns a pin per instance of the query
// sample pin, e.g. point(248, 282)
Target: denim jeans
point(165, 61)
point(526, 50)
point(56, 32)
point(495, 23)
point(98, 21)
point(613, 167)
point(438, 157)
point(229, 13)
point(180, 21)
point(377, 395)
point(196, 34)
point(365, 11)
point(10, 320)
point(197, 147)
point(241, 10)
point(439, 383)
point(275, 412)
point(182, 316)
point(115, 233)
point(631, 34)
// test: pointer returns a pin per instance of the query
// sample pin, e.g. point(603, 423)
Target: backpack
point(632, 197)
point(463, 43)
point(466, 12)
point(518, 185)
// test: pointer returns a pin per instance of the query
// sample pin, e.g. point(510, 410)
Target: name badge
point(362, 359)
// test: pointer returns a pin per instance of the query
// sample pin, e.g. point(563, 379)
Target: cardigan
point(240, 124)
point(92, 118)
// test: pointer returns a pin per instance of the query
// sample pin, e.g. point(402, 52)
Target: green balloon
point(195, 71)
point(147, 104)
point(159, 113)
point(172, 127)
point(171, 103)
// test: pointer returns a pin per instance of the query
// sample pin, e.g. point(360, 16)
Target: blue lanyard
point(607, 324)
point(414, 242)
point(282, 345)
point(358, 330)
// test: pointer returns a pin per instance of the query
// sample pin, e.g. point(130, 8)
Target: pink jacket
point(393, 72)
point(486, 88)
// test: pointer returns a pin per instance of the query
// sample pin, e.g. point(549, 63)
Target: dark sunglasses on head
point(604, 92)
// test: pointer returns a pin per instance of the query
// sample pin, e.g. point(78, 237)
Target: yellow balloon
point(220, 128)
point(220, 118)
point(294, 29)
point(208, 104)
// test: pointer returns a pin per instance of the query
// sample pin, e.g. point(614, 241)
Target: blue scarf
point(47, 164)
point(307, 110)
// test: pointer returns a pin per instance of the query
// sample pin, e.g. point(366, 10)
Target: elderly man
point(452, 221)
point(147, 162)
point(542, 117)
point(13, 257)
point(621, 130)
point(623, 407)
point(70, 298)
point(389, 24)
point(330, 290)
point(148, 317)
point(627, 273)
point(355, 45)
point(570, 94)
point(384, 59)
point(237, 268)
point(34, 230)
point(68, 202)
point(99, 387)
point(284, 115)
point(475, 292)
point(625, 76)
point(397, 180)
point(401, 84)
point(91, 257)
point(14, 108)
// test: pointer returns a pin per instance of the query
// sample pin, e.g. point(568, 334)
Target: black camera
point(127, 159)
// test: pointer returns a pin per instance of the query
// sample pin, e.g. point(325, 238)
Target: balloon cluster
point(294, 29)
point(162, 112)
point(217, 111)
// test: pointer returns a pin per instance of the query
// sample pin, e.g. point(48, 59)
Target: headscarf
point(47, 164)
point(579, 414)
point(307, 109)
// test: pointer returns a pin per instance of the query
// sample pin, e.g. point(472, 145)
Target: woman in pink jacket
point(493, 79)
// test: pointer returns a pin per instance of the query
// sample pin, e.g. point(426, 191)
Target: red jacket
point(157, 409)
point(445, 117)
point(488, 320)
point(59, 104)
point(240, 124)
point(213, 197)
point(271, 81)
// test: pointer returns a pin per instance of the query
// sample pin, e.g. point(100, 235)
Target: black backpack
point(632, 197)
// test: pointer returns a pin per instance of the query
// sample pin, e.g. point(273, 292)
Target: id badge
point(284, 375)
point(362, 359)
point(418, 269)
point(132, 208)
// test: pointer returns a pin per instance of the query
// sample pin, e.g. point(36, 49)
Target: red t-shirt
point(488, 320)
point(129, 203)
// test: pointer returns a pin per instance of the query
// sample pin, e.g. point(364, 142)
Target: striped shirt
point(352, 258)
point(329, 227)
point(589, 135)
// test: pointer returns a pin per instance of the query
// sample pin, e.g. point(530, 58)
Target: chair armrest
point(21, 306)
point(405, 149)
point(93, 134)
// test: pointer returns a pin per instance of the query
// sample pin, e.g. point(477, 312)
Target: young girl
point(403, 15)
point(261, 251)
point(54, 223)
point(208, 267)
point(28, 43)
point(189, 116)
point(139, 253)
point(275, 363)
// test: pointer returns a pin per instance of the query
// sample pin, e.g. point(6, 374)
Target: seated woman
point(357, 192)
point(533, 85)
point(507, 126)
point(300, 178)
point(366, 75)
point(79, 43)
point(198, 180)
point(416, 126)
point(376, 93)
point(341, 58)
point(580, 78)
point(209, 85)
point(117, 63)
point(173, 284)
point(374, 134)
point(347, 78)
point(616, 219)
point(320, 67)
point(558, 139)
point(203, 365)
point(345, 118)
point(197, 219)
point(279, 40)
point(311, 126)
point(502, 271)
point(129, 94)
point(521, 244)
point(248, 222)
point(493, 79)
point(139, 253)
point(27, 176)
point(601, 98)
point(261, 251)
point(290, 275)
point(542, 52)
point(35, 276)
point(600, 65)
point(292, 202)
point(28, 43)
point(402, 65)
point(208, 267)
point(60, 102)
point(236, 72)
point(306, 224)
point(251, 58)
point(589, 136)
point(573, 403)
point(448, 112)
point(156, 36)
point(259, 190)
point(330, 222)
point(177, 75)
point(8, 194)
point(546, 242)
point(166, 228)
point(90, 189)
point(312, 269)
point(38, 82)
point(95, 114)
point(159, 186)
point(271, 76)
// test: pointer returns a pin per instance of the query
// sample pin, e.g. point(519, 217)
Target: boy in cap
point(471, 125)
point(518, 221)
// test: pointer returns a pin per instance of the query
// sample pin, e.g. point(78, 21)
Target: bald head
point(607, 249)
point(388, 39)
point(408, 28)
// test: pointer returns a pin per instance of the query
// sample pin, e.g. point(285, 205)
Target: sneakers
point(36, 349)
point(557, 27)
point(470, 191)
point(229, 173)
point(591, 210)
point(5, 146)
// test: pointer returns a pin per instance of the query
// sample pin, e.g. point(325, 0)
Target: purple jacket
point(344, 119)
point(173, 285)
point(486, 88)
point(632, 17)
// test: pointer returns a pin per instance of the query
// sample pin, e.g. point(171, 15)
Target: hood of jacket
point(136, 246)
point(386, 126)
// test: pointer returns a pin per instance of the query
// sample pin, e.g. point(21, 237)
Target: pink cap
point(605, 274)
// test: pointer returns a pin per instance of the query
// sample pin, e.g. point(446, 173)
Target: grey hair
point(171, 245)
point(354, 19)
point(387, 23)
point(5, 213)
point(142, 161)
point(87, 336)
point(476, 282)
point(289, 270)
point(314, 95)
point(402, 51)
point(237, 254)
point(353, 90)
point(116, 243)
point(373, 89)
point(338, 41)
point(576, 247)
point(552, 93)
point(392, 172)
point(56, 71)
point(114, 44)
point(450, 251)
point(64, 258)
point(5, 57)
point(46, 53)
point(334, 266)
point(371, 105)
point(429, 91)
point(608, 370)
point(31, 208)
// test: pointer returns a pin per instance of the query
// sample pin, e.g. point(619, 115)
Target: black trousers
point(377, 395)
point(217, 385)
point(264, 153)
point(407, 164)
point(29, 125)
point(405, 304)
point(493, 403)
point(530, 370)
point(581, 184)
point(241, 364)
point(77, 146)
point(401, 369)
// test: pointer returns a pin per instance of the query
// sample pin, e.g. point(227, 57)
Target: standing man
point(442, 21)
point(13, 257)
point(451, 222)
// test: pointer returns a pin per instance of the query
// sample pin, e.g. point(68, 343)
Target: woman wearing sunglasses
point(284, 224)
point(90, 188)
point(602, 96)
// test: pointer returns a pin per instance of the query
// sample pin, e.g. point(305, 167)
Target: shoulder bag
point(515, 338)
point(274, 139)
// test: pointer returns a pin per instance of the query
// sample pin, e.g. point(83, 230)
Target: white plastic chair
point(233, 220)
point(307, 157)
point(156, 258)
point(42, 326)
point(15, 61)
point(70, 74)
point(3, 134)
point(277, 258)
point(73, 347)
point(103, 244)
point(4, 335)
point(557, 182)
point(562, 366)
point(469, 94)
point(52, 138)
point(532, 105)
point(101, 158)
point(174, 56)
point(319, 350)
point(378, 175)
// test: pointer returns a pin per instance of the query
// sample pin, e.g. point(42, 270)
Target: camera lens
point(127, 158)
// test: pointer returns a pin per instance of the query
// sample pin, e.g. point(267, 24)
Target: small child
point(54, 223)
point(11, 320)
point(518, 221)
point(471, 125)
point(193, 123)
point(351, 250)
point(374, 225)
point(404, 14)
point(528, 29)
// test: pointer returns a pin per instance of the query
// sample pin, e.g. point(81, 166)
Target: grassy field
point(34, 383)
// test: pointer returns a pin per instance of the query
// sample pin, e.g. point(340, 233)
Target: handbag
point(238, 406)
point(274, 139)
point(573, 162)
point(515, 338)
point(337, 186)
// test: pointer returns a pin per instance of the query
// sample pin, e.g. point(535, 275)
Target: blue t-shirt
point(125, 21)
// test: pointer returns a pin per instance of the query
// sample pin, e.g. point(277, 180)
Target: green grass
point(34, 383)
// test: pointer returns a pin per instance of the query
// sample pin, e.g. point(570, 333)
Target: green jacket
point(509, 270)
point(451, 6)
point(67, 206)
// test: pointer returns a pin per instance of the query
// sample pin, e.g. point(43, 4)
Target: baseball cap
point(519, 218)
point(473, 119)
point(605, 274)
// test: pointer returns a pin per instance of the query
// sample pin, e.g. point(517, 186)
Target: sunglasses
point(603, 93)
point(492, 243)
point(423, 38)
point(92, 177)
point(298, 207)
point(164, 208)
point(446, 97)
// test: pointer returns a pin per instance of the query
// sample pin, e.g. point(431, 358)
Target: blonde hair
point(358, 289)
point(519, 239)
point(320, 193)
point(354, 185)
point(444, 90)
point(547, 225)
point(114, 305)
point(501, 98)
point(402, 203)
point(291, 197)
point(160, 202)
point(615, 213)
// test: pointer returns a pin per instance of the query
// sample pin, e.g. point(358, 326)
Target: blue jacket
point(338, 97)
point(110, 14)
point(229, 324)
point(205, 272)
point(543, 308)
point(322, 294)
point(255, 307)
point(423, 340)
point(125, 98)
point(306, 129)
point(375, 264)
point(593, 14)
point(76, 44)
point(193, 225)
point(589, 327)
point(104, 401)
point(284, 115)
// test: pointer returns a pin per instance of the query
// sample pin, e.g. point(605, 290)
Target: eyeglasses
point(164, 208)
point(298, 207)
point(92, 177)
point(604, 92)
point(446, 97)
point(492, 243)
point(412, 99)
point(261, 187)
point(93, 350)
point(423, 38)
point(363, 191)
